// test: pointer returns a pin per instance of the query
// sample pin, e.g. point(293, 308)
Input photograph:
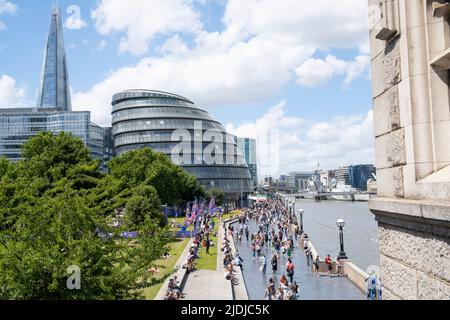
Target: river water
point(360, 231)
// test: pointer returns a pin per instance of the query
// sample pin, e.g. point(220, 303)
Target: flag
point(212, 203)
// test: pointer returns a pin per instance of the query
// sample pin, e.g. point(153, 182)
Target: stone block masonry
point(410, 42)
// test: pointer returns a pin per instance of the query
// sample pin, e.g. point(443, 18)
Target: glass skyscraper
point(54, 92)
point(53, 110)
point(248, 148)
point(154, 119)
point(360, 174)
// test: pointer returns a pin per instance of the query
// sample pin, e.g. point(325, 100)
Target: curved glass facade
point(173, 125)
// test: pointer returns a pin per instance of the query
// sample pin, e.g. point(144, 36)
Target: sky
point(286, 69)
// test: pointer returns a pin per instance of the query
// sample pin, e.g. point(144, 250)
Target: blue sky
point(242, 60)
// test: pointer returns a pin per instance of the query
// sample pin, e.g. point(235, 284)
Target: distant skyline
point(310, 171)
point(254, 65)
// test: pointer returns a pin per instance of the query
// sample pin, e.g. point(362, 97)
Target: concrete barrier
point(238, 290)
point(355, 275)
point(181, 273)
point(349, 269)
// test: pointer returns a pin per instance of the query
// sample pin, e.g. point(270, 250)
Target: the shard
point(54, 91)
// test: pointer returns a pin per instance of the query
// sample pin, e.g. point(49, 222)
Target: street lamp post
point(301, 212)
point(293, 209)
point(341, 223)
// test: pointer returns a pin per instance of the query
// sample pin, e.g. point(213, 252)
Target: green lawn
point(209, 261)
point(176, 248)
point(166, 266)
point(206, 262)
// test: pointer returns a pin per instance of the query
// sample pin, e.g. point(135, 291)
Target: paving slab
point(207, 285)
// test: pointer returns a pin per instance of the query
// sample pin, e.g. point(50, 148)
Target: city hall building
point(155, 119)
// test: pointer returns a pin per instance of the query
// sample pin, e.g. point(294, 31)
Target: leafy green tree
point(50, 156)
point(144, 204)
point(218, 194)
point(54, 212)
point(144, 166)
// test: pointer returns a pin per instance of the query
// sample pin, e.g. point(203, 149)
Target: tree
point(144, 166)
point(50, 156)
point(54, 211)
point(218, 194)
point(143, 205)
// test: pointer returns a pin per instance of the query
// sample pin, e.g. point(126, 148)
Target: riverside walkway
point(207, 285)
point(210, 284)
point(311, 286)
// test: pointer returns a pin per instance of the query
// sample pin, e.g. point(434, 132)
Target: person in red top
point(329, 264)
point(290, 270)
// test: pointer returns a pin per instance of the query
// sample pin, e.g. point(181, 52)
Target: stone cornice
point(431, 217)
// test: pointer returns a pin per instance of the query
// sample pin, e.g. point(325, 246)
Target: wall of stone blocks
point(411, 101)
point(390, 152)
point(414, 265)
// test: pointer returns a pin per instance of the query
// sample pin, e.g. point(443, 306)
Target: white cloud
point(340, 141)
point(12, 95)
point(316, 72)
point(6, 7)
point(322, 23)
point(143, 20)
point(246, 71)
point(258, 52)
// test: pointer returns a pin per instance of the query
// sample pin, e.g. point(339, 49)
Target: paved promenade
point(311, 287)
point(207, 285)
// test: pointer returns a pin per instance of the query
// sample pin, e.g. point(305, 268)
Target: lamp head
point(340, 223)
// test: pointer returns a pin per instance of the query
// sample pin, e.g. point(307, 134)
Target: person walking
point(253, 250)
point(316, 265)
point(291, 295)
point(308, 254)
point(371, 286)
point(238, 261)
point(274, 263)
point(280, 294)
point(270, 290)
point(263, 261)
point(296, 289)
point(208, 244)
point(339, 267)
point(290, 270)
point(329, 264)
point(289, 252)
point(379, 289)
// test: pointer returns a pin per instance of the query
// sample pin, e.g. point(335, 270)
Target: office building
point(53, 111)
point(360, 174)
point(248, 148)
point(298, 180)
point(342, 175)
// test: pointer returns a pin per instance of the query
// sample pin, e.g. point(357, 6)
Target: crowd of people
point(274, 242)
point(276, 233)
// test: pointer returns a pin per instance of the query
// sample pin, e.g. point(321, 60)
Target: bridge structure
point(322, 195)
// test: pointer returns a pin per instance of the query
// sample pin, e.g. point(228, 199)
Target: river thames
point(360, 231)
